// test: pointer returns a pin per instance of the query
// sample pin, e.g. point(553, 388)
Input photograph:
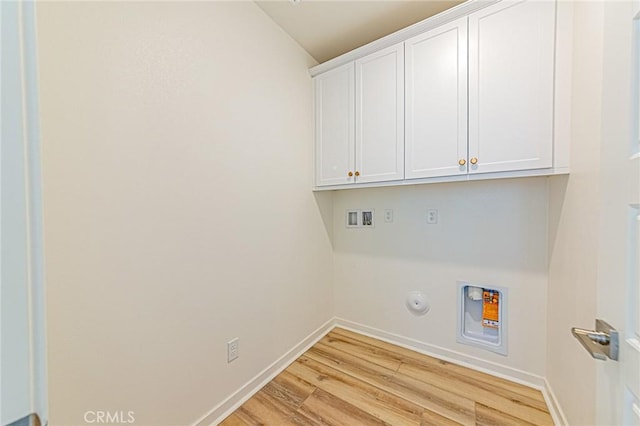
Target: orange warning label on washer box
point(490, 309)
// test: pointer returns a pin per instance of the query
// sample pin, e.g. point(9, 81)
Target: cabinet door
point(436, 102)
point(380, 115)
point(511, 65)
point(335, 119)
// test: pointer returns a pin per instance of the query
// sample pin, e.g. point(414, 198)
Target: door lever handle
point(602, 338)
point(601, 343)
point(595, 336)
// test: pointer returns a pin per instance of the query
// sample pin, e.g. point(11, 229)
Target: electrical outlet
point(388, 215)
point(432, 216)
point(232, 349)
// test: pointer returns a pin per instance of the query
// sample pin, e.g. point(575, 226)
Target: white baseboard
point(448, 355)
point(513, 374)
point(222, 410)
point(229, 405)
point(557, 414)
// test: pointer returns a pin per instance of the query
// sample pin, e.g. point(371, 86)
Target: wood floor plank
point(233, 420)
point(445, 403)
point(458, 386)
point(244, 417)
point(382, 405)
point(533, 395)
point(351, 379)
point(325, 409)
point(486, 416)
point(482, 386)
point(366, 352)
point(289, 390)
point(268, 411)
point(298, 386)
point(464, 381)
point(429, 418)
point(490, 397)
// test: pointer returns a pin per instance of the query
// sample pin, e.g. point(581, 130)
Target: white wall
point(177, 143)
point(573, 227)
point(492, 232)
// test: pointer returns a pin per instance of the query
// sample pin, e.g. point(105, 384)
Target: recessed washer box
point(482, 316)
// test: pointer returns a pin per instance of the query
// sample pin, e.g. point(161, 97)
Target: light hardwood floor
point(350, 379)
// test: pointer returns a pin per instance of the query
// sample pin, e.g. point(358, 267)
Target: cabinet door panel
point(511, 69)
point(436, 102)
point(380, 115)
point(335, 118)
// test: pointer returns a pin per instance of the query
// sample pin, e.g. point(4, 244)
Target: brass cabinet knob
point(357, 173)
point(462, 162)
point(350, 174)
point(474, 160)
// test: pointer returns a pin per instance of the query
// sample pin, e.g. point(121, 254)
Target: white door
point(22, 354)
point(436, 102)
point(511, 69)
point(335, 119)
point(15, 354)
point(618, 290)
point(380, 116)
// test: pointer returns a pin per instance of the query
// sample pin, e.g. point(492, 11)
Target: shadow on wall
point(324, 201)
point(557, 191)
point(494, 223)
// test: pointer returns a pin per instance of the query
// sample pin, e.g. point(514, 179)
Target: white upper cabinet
point(477, 92)
point(334, 124)
point(436, 102)
point(380, 116)
point(511, 99)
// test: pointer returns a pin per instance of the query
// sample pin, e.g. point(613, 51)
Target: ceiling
point(327, 29)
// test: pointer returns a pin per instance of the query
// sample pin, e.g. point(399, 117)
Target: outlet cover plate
point(233, 347)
